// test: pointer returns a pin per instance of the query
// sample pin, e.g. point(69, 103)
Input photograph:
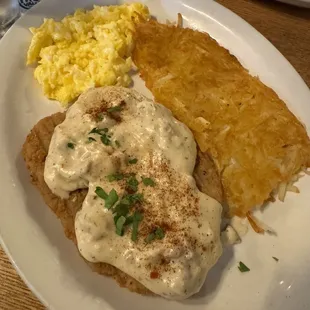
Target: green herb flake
point(120, 225)
point(132, 161)
point(137, 218)
point(135, 197)
point(125, 201)
point(121, 209)
point(70, 145)
point(111, 199)
point(159, 233)
point(275, 258)
point(132, 183)
point(150, 237)
point(117, 108)
point(129, 220)
point(99, 131)
point(243, 268)
point(130, 199)
point(90, 139)
point(105, 139)
point(101, 193)
point(148, 182)
point(115, 177)
point(116, 217)
point(99, 117)
point(117, 143)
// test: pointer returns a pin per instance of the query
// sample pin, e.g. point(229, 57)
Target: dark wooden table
point(285, 26)
point(288, 28)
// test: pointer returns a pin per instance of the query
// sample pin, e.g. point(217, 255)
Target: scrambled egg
point(84, 50)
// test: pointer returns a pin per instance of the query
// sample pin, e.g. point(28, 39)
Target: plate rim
point(244, 28)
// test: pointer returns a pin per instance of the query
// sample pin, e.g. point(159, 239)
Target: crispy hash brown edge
point(158, 47)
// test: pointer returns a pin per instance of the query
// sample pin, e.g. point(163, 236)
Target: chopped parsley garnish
point(99, 117)
point(116, 217)
point(136, 219)
point(132, 184)
point(121, 209)
point(101, 193)
point(115, 177)
point(157, 234)
point(90, 139)
point(137, 216)
point(132, 161)
point(243, 268)
point(117, 108)
point(70, 145)
point(125, 201)
point(129, 220)
point(275, 258)
point(117, 143)
point(105, 139)
point(111, 199)
point(120, 225)
point(99, 131)
point(134, 198)
point(148, 181)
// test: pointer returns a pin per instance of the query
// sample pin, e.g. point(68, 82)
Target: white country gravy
point(162, 230)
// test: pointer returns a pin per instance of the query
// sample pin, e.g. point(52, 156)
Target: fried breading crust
point(35, 150)
point(255, 141)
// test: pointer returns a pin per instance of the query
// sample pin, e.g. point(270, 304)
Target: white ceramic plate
point(301, 3)
point(50, 264)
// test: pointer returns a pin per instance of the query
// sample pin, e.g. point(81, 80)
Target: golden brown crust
point(255, 141)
